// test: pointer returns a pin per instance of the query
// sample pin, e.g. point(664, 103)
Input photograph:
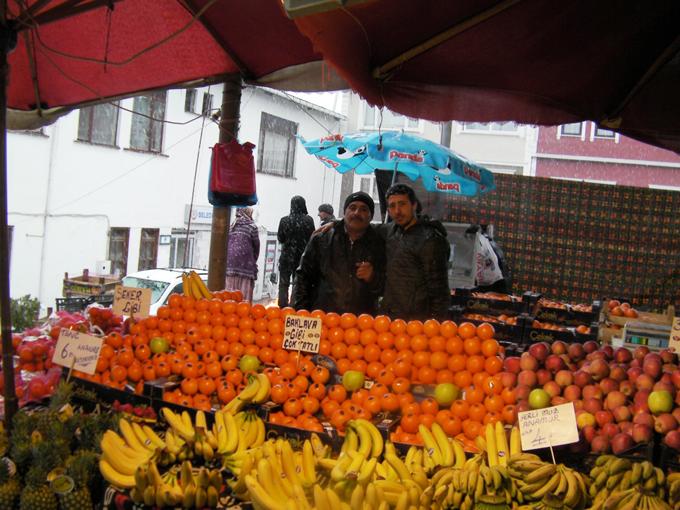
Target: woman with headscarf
point(242, 254)
point(293, 234)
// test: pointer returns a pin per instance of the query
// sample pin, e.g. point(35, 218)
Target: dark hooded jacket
point(326, 278)
point(294, 233)
point(416, 280)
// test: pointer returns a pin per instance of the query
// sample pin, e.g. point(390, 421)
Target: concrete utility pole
point(219, 234)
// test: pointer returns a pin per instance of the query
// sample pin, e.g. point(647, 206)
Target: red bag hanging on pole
point(232, 175)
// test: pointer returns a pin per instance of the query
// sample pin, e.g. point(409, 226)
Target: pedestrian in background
point(242, 254)
point(326, 213)
point(293, 234)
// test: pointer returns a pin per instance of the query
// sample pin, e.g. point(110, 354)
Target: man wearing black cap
point(343, 268)
point(326, 213)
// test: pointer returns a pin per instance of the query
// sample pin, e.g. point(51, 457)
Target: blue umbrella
point(440, 168)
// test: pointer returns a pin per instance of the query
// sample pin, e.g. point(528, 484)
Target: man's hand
point(365, 271)
point(324, 228)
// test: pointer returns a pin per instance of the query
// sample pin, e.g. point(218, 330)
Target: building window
point(147, 128)
point(99, 124)
point(390, 120)
point(575, 129)
point(118, 250)
point(276, 154)
point(604, 133)
point(206, 107)
point(180, 256)
point(190, 101)
point(148, 248)
point(490, 127)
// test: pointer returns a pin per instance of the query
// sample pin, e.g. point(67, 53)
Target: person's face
point(357, 217)
point(323, 216)
point(401, 210)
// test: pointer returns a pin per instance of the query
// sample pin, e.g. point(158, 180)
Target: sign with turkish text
point(131, 301)
point(301, 333)
point(674, 340)
point(77, 350)
point(551, 426)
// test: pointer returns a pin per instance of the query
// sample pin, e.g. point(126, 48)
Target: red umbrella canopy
point(144, 44)
point(614, 62)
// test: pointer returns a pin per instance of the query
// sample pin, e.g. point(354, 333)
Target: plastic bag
point(232, 175)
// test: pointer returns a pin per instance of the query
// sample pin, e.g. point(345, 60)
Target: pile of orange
point(208, 337)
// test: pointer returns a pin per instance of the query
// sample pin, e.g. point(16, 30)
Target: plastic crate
point(72, 304)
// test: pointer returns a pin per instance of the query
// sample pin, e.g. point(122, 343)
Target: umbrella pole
point(219, 233)
point(394, 174)
point(11, 404)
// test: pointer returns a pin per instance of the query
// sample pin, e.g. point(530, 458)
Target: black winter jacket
point(326, 278)
point(416, 280)
point(294, 233)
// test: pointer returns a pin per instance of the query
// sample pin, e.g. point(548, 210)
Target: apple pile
point(621, 397)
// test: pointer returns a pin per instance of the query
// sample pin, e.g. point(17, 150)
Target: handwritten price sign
point(674, 340)
point(302, 333)
point(552, 426)
point(74, 345)
point(131, 301)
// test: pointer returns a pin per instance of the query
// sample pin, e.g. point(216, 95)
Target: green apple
point(249, 363)
point(538, 399)
point(352, 380)
point(660, 402)
point(158, 344)
point(446, 393)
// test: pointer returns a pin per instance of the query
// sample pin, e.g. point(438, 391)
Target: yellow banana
point(377, 442)
point(459, 454)
point(338, 471)
point(142, 437)
point(119, 462)
point(320, 498)
point(232, 432)
point(261, 496)
point(444, 446)
point(502, 449)
point(130, 436)
point(431, 445)
point(175, 421)
point(398, 465)
point(153, 437)
point(365, 446)
point(308, 463)
point(200, 285)
point(114, 477)
point(264, 389)
point(491, 449)
point(515, 441)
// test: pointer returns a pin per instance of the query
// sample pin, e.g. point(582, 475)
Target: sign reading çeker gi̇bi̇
point(131, 301)
point(551, 426)
point(301, 333)
point(77, 350)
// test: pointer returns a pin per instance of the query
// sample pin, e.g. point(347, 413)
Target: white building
point(110, 191)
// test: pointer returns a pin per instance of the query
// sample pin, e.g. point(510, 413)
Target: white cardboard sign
point(551, 426)
point(131, 301)
point(85, 349)
point(302, 333)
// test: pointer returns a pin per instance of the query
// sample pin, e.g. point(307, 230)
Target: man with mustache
point(343, 267)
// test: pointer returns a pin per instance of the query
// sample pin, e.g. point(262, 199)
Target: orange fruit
point(485, 331)
point(431, 328)
point(467, 330)
point(381, 324)
point(348, 320)
point(414, 327)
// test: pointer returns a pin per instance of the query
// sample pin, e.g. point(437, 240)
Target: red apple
point(622, 414)
point(672, 439)
point(665, 423)
point(578, 404)
point(621, 442)
point(522, 392)
point(554, 363)
point(676, 414)
point(572, 393)
point(610, 429)
point(642, 433)
point(614, 399)
point(603, 417)
point(523, 405)
point(590, 346)
point(608, 385)
point(633, 373)
point(589, 432)
point(511, 364)
point(645, 419)
point(592, 405)
point(622, 355)
point(599, 369)
point(626, 427)
point(552, 388)
point(664, 386)
point(652, 366)
point(508, 379)
point(564, 378)
point(668, 357)
point(618, 373)
point(558, 400)
point(640, 352)
point(576, 352)
point(527, 378)
point(528, 362)
point(626, 387)
point(644, 382)
point(600, 444)
point(675, 378)
point(592, 391)
point(608, 351)
point(582, 378)
point(539, 350)
point(558, 347)
point(543, 376)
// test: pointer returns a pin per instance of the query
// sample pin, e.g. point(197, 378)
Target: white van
point(162, 283)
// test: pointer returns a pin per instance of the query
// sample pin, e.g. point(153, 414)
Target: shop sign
point(548, 427)
point(674, 340)
point(200, 214)
point(77, 350)
point(131, 301)
point(302, 333)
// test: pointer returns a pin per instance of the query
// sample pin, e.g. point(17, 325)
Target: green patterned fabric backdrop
point(578, 241)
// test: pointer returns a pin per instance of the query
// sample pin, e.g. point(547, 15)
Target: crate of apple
point(140, 412)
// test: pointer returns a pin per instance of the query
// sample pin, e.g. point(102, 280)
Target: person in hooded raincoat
point(242, 254)
point(293, 234)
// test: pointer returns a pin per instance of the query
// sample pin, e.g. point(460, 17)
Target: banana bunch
point(176, 449)
point(673, 489)
point(122, 455)
point(256, 392)
point(206, 443)
point(194, 287)
point(614, 477)
point(181, 424)
point(440, 450)
point(177, 487)
point(537, 481)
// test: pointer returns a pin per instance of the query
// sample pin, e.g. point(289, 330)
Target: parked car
point(162, 283)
